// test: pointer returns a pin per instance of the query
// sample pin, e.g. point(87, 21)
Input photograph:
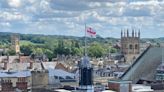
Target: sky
point(68, 17)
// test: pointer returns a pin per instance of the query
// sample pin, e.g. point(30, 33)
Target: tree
point(48, 53)
point(66, 51)
point(11, 52)
point(76, 51)
point(77, 44)
point(38, 51)
point(27, 49)
point(96, 50)
point(113, 50)
point(60, 48)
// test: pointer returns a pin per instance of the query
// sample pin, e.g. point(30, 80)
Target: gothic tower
point(130, 45)
point(15, 43)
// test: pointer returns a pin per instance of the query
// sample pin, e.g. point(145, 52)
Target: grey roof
point(24, 66)
point(15, 74)
point(145, 65)
point(59, 72)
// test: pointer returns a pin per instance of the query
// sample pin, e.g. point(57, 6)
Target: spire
point(135, 34)
point(132, 32)
point(139, 33)
point(127, 33)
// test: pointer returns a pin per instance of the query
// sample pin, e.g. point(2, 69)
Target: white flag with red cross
point(90, 32)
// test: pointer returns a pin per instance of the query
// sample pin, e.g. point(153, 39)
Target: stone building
point(39, 78)
point(15, 43)
point(130, 44)
point(12, 80)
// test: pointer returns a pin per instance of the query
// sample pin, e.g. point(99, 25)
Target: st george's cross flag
point(90, 32)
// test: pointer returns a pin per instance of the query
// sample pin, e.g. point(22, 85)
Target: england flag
point(90, 32)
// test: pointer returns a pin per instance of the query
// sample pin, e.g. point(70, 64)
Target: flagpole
point(85, 40)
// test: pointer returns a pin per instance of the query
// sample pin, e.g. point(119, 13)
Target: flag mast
point(85, 42)
point(85, 69)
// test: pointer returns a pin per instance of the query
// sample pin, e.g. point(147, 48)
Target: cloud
point(14, 3)
point(69, 5)
point(67, 17)
point(137, 12)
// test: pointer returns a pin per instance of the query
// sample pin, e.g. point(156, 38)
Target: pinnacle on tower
point(127, 33)
point(139, 33)
point(133, 33)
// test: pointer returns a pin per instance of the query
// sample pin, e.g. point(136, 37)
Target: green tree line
point(52, 46)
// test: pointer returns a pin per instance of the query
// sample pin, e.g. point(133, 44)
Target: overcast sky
point(67, 17)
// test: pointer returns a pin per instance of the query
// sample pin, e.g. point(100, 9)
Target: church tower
point(130, 45)
point(15, 43)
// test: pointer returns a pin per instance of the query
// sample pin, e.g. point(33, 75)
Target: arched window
point(136, 46)
point(130, 46)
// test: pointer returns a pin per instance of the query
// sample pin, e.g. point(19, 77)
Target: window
point(130, 46)
point(136, 46)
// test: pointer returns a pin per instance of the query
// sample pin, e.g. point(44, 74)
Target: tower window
point(130, 46)
point(136, 46)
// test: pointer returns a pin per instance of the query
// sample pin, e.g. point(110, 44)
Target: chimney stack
point(5, 66)
point(31, 65)
point(7, 86)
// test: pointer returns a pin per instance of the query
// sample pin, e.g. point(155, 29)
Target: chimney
point(5, 66)
point(7, 86)
point(19, 58)
point(21, 84)
point(42, 66)
point(31, 65)
point(8, 57)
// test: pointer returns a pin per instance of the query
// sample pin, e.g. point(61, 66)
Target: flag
point(90, 32)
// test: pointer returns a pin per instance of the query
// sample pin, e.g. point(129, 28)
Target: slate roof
point(144, 67)
point(61, 73)
point(15, 74)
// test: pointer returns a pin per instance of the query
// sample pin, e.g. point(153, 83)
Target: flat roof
point(119, 81)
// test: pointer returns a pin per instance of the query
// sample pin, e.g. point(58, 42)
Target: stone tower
point(15, 43)
point(130, 44)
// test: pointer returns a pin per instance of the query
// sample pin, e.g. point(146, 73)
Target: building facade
point(130, 44)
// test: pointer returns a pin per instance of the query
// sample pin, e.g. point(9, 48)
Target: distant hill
point(40, 38)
